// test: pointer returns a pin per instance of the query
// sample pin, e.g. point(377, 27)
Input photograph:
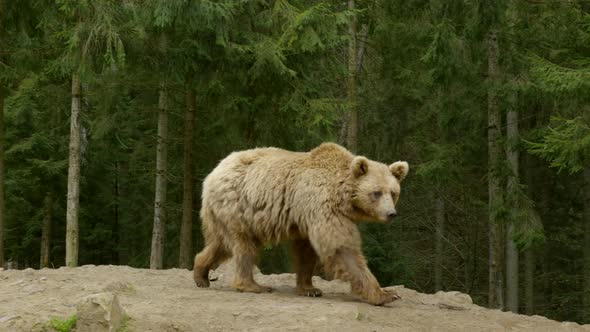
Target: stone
point(100, 312)
point(32, 289)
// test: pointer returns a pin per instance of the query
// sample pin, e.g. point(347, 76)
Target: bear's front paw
point(391, 291)
point(202, 282)
point(310, 291)
point(383, 297)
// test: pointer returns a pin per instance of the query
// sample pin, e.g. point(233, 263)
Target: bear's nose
point(391, 215)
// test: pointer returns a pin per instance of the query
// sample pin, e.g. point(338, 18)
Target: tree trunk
point(529, 281)
point(343, 135)
point(115, 229)
point(352, 136)
point(73, 177)
point(512, 155)
point(1, 176)
point(494, 190)
point(531, 177)
point(587, 244)
point(439, 243)
point(156, 258)
point(46, 230)
point(186, 228)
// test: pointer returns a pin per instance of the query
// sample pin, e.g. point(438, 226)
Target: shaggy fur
point(314, 198)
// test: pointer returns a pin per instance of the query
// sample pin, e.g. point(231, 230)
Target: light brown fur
point(314, 198)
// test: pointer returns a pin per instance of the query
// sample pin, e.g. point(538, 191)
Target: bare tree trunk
point(115, 229)
point(361, 51)
point(439, 243)
point(156, 258)
point(2, 206)
point(186, 228)
point(529, 281)
point(46, 230)
point(494, 190)
point(512, 154)
point(587, 244)
point(1, 176)
point(73, 177)
point(352, 126)
point(529, 253)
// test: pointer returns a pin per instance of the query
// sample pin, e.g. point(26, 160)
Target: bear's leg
point(304, 260)
point(349, 265)
point(245, 253)
point(209, 258)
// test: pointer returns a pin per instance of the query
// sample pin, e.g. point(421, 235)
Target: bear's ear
point(399, 169)
point(359, 166)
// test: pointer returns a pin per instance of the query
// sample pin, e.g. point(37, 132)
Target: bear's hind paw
point(254, 289)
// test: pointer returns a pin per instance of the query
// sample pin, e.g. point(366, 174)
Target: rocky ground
point(167, 300)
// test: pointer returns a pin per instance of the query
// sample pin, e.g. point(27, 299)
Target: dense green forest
point(113, 112)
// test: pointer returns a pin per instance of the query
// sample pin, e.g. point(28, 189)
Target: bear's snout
point(391, 215)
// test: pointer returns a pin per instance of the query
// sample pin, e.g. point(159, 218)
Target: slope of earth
point(168, 300)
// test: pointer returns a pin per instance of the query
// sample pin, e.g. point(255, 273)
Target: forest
point(113, 112)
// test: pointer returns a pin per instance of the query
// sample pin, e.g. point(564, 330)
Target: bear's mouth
point(362, 215)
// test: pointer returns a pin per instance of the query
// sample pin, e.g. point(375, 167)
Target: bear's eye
point(393, 195)
point(377, 194)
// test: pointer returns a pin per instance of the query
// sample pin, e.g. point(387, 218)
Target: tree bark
point(115, 229)
point(156, 258)
point(439, 243)
point(46, 230)
point(494, 190)
point(343, 134)
point(513, 181)
point(529, 281)
point(352, 135)
point(531, 176)
point(2, 205)
point(186, 228)
point(2, 176)
point(587, 244)
point(73, 177)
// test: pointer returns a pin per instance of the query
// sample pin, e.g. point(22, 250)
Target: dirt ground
point(168, 300)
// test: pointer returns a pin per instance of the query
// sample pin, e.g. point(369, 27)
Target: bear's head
point(376, 188)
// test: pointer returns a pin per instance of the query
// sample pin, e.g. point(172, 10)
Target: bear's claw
point(386, 296)
point(311, 292)
point(202, 283)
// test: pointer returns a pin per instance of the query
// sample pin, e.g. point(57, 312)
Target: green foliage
point(529, 232)
point(125, 325)
point(560, 80)
point(64, 325)
point(565, 144)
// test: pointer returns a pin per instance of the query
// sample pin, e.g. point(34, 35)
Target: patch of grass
point(125, 325)
point(63, 325)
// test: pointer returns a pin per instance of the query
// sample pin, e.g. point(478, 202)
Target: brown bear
point(314, 199)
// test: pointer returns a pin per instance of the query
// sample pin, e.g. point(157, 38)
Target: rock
point(32, 289)
point(118, 286)
point(459, 297)
point(99, 312)
point(7, 318)
point(18, 282)
point(454, 298)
